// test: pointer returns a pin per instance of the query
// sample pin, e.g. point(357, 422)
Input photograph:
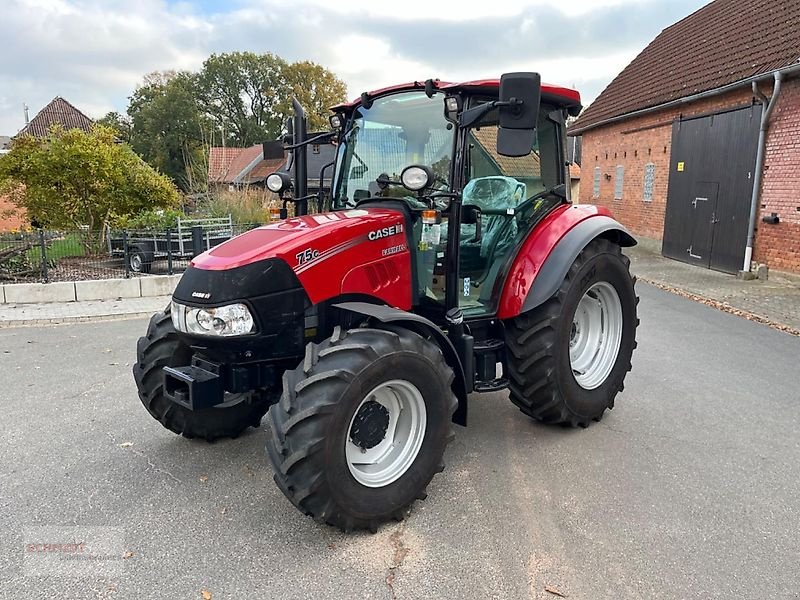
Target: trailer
point(140, 249)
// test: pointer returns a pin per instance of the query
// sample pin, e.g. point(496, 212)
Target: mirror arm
point(312, 140)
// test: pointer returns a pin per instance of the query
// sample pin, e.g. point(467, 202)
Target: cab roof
point(554, 93)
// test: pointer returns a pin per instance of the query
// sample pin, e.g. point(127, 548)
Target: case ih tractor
point(448, 260)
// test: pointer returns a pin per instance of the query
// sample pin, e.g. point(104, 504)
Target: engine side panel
point(361, 251)
point(539, 246)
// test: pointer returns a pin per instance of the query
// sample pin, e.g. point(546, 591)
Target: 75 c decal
point(306, 255)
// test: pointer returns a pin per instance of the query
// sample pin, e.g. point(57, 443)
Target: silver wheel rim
point(596, 335)
point(387, 461)
point(136, 263)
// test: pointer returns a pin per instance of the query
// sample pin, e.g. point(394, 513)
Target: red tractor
point(447, 260)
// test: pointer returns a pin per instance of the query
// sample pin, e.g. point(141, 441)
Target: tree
point(241, 92)
point(77, 179)
point(121, 124)
point(316, 88)
point(168, 128)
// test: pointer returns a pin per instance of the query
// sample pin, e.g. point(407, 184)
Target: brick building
point(672, 145)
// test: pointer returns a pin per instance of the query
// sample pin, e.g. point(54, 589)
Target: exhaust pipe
point(300, 158)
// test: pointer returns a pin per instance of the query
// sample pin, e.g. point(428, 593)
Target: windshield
point(396, 131)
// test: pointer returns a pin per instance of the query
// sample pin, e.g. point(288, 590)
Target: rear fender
point(424, 327)
point(546, 257)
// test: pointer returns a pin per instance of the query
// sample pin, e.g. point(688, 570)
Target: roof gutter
point(769, 106)
point(785, 73)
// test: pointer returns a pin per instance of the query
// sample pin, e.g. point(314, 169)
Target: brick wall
point(779, 245)
point(634, 143)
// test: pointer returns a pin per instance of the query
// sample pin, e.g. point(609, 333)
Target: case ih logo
point(385, 232)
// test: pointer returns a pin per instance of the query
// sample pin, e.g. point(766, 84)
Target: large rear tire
point(362, 425)
point(161, 347)
point(568, 357)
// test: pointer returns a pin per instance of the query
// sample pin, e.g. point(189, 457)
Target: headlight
point(278, 182)
point(233, 319)
point(416, 177)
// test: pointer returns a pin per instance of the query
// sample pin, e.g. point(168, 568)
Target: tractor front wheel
point(160, 348)
point(362, 426)
point(568, 357)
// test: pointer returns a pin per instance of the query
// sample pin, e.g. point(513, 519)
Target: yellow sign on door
point(681, 165)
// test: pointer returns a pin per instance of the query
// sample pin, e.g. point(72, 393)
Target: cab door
point(504, 190)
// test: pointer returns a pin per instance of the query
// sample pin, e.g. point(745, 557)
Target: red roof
point(569, 96)
point(240, 165)
point(58, 112)
point(219, 159)
point(724, 42)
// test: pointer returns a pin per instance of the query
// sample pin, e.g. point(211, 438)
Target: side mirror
point(273, 150)
point(520, 94)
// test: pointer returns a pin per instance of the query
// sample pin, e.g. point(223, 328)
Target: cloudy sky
point(95, 52)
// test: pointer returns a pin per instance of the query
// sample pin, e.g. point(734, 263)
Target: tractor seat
point(495, 193)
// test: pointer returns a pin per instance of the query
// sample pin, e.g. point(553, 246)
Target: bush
point(149, 219)
point(250, 205)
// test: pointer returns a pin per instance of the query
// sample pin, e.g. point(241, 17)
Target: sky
point(95, 52)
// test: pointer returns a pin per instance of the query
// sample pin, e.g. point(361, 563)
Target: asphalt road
point(687, 489)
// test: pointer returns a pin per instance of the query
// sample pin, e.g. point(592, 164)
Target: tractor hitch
point(196, 386)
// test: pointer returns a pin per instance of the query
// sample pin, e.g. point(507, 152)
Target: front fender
point(421, 325)
point(545, 257)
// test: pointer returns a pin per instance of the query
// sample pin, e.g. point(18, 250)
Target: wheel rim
point(136, 263)
point(596, 335)
point(386, 433)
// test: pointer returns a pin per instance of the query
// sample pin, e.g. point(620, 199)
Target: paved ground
point(689, 488)
point(776, 299)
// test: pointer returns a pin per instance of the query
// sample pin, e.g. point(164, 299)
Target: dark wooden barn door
point(710, 185)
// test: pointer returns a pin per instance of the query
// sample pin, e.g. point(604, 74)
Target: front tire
point(161, 347)
point(362, 426)
point(568, 357)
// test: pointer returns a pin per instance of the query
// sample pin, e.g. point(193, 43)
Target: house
point(57, 112)
point(673, 144)
point(575, 182)
point(236, 168)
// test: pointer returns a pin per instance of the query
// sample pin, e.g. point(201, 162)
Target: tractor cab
point(475, 204)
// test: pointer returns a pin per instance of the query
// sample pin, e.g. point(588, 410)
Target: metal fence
point(76, 255)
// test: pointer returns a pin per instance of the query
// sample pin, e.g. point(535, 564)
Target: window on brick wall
point(649, 182)
point(619, 182)
point(596, 188)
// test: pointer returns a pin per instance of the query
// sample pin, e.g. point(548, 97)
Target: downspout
point(769, 106)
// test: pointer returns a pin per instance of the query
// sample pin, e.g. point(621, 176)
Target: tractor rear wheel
point(362, 426)
point(161, 347)
point(568, 357)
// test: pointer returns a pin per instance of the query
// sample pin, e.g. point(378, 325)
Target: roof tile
point(724, 42)
point(58, 112)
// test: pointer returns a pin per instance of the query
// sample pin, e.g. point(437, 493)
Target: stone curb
point(75, 319)
point(99, 289)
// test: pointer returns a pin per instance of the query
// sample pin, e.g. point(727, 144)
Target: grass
point(69, 245)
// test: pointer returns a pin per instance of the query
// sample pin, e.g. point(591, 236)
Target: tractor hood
point(359, 251)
